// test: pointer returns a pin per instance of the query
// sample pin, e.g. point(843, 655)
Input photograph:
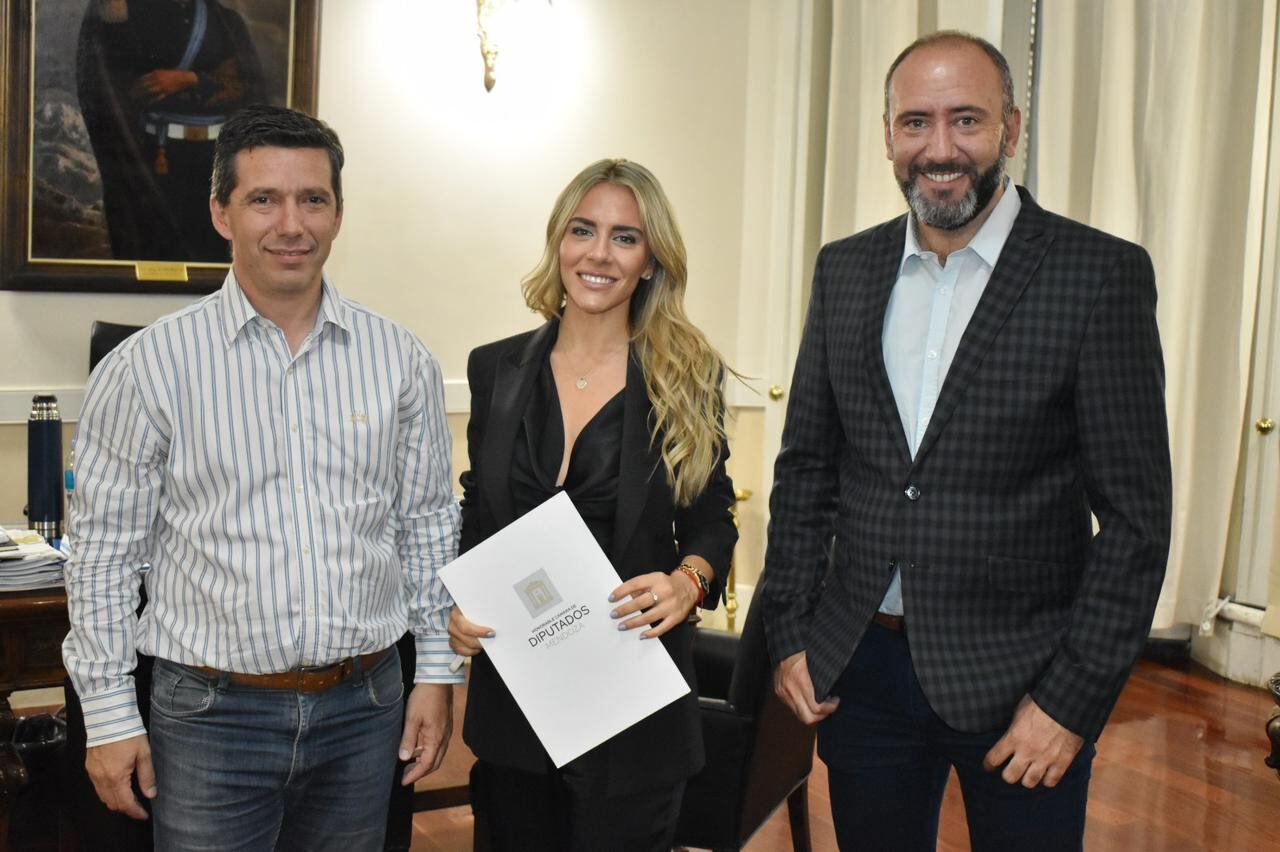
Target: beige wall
point(449, 186)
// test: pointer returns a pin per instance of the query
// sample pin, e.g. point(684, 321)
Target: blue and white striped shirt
point(282, 510)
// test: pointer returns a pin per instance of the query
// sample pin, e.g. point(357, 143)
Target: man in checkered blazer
point(976, 379)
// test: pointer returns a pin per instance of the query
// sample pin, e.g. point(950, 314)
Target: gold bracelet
point(695, 576)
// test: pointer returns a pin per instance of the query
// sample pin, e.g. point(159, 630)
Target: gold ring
point(655, 597)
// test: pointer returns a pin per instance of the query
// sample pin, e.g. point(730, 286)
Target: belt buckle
point(325, 677)
point(306, 670)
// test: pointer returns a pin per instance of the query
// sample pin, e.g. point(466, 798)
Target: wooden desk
point(32, 627)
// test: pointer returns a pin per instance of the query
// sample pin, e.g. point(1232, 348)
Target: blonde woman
point(616, 400)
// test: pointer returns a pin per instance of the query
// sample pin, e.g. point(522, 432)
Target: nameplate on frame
point(150, 270)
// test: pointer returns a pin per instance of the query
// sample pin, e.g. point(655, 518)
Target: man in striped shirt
point(272, 463)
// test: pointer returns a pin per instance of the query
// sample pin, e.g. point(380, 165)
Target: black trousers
point(566, 810)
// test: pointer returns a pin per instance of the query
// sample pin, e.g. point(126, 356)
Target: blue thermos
point(44, 467)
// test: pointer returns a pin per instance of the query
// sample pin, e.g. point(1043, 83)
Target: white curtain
point(1147, 126)
point(859, 190)
point(867, 35)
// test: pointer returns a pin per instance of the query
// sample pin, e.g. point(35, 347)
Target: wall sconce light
point(494, 20)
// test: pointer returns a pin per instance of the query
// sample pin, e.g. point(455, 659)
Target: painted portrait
point(125, 102)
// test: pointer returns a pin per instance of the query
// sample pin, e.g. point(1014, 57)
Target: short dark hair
point(264, 125)
point(993, 53)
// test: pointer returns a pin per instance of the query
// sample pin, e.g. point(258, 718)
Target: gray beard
point(953, 215)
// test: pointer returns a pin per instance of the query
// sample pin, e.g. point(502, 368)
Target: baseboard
point(1239, 652)
point(15, 403)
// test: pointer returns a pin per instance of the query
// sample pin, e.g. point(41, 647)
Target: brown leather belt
point(306, 680)
point(892, 622)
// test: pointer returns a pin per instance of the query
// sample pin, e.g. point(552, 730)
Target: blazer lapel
point(512, 384)
point(640, 460)
point(1018, 262)
point(882, 274)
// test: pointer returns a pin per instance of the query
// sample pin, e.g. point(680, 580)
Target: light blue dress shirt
point(929, 309)
point(285, 510)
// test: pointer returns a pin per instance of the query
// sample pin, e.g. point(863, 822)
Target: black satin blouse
point(592, 478)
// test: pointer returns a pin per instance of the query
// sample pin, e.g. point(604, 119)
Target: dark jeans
point(567, 811)
point(888, 756)
point(112, 832)
point(246, 768)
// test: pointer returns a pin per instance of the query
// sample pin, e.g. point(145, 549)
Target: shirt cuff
point(111, 717)
point(434, 659)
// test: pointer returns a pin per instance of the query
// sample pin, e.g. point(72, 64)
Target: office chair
point(105, 336)
point(759, 754)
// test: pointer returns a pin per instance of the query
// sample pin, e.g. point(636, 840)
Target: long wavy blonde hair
point(683, 374)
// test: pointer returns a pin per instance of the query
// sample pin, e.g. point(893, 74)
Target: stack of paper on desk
point(34, 565)
point(543, 585)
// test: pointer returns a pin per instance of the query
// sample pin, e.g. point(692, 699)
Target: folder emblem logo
point(537, 593)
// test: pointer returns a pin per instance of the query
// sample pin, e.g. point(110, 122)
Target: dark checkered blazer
point(1053, 408)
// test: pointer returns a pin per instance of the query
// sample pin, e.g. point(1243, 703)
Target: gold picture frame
point(64, 90)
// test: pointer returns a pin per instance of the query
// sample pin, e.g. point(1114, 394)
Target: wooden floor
point(1178, 768)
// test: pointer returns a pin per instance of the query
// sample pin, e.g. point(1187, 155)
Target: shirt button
point(933, 354)
point(306, 548)
point(912, 492)
point(311, 610)
point(942, 290)
point(294, 428)
point(298, 488)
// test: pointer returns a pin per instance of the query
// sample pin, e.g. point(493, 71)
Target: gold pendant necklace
point(583, 378)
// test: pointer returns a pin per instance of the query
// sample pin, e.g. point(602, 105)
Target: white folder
point(543, 585)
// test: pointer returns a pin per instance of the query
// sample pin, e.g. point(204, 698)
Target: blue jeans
point(888, 756)
point(246, 768)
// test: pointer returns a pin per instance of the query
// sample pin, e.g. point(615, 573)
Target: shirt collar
point(234, 307)
point(988, 242)
point(332, 309)
point(237, 312)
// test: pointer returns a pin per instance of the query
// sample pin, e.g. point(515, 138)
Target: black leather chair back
point(105, 336)
point(758, 754)
point(752, 673)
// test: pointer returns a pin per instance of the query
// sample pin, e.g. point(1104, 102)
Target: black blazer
point(1053, 409)
point(650, 534)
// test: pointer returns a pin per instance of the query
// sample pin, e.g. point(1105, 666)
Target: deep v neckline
point(567, 450)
